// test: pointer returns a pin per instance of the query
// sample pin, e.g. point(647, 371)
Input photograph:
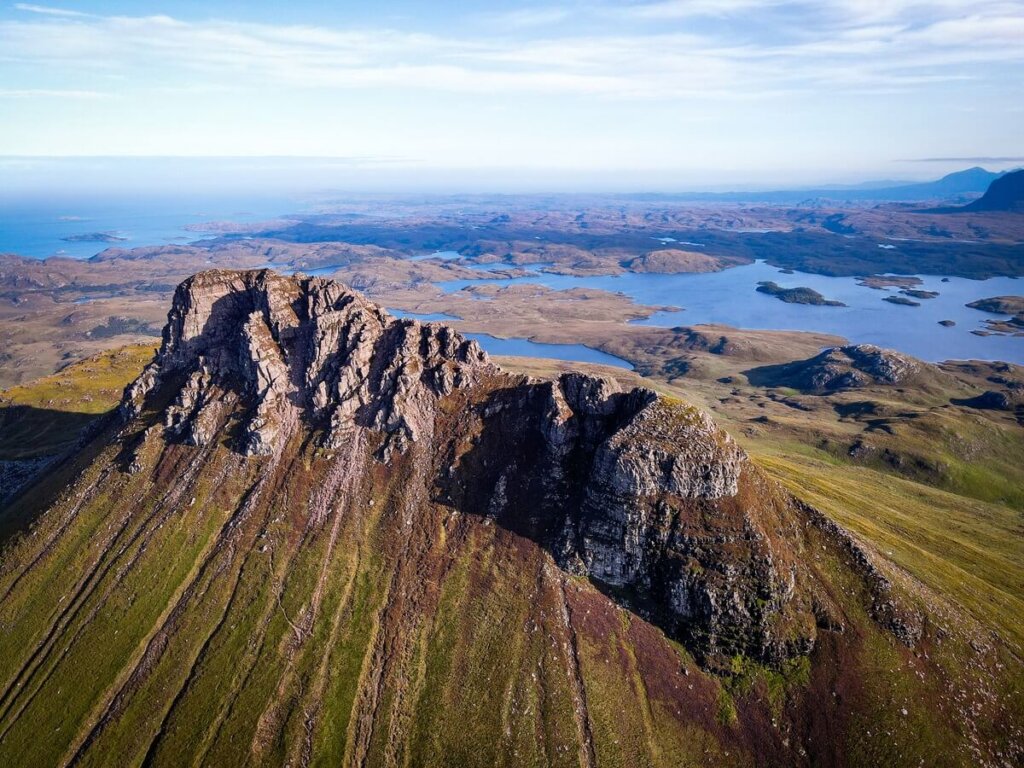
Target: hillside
point(1004, 194)
point(313, 533)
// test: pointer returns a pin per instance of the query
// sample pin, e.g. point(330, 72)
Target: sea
point(39, 227)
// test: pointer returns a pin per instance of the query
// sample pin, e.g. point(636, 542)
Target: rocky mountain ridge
point(645, 497)
point(313, 533)
point(293, 347)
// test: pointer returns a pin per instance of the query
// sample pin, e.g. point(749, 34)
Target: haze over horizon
point(667, 94)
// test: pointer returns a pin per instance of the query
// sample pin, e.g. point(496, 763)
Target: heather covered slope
point(429, 561)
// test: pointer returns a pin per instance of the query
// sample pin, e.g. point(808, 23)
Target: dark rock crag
point(1004, 194)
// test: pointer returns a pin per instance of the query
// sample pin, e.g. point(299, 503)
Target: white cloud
point(50, 93)
point(854, 44)
point(46, 10)
point(538, 16)
point(685, 9)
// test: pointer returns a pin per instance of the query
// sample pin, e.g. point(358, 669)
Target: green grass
point(46, 416)
point(966, 549)
point(148, 564)
point(463, 627)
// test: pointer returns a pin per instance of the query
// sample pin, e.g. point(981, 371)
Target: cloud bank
point(662, 50)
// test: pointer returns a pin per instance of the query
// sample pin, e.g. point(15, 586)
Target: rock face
point(643, 495)
point(849, 367)
point(661, 505)
point(16, 473)
point(652, 502)
point(293, 348)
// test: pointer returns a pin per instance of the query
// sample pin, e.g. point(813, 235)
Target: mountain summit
point(636, 492)
point(1004, 194)
point(284, 348)
point(314, 533)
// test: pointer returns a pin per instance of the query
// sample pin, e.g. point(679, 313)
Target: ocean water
point(36, 227)
point(729, 298)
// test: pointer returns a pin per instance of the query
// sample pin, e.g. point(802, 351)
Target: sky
point(650, 93)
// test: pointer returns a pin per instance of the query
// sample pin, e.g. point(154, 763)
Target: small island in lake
point(95, 237)
point(902, 301)
point(881, 282)
point(1000, 305)
point(801, 295)
point(916, 293)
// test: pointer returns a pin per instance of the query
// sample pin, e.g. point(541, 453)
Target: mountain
point(971, 181)
point(315, 533)
point(953, 186)
point(1004, 194)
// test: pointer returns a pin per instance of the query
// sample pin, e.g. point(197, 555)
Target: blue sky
point(663, 92)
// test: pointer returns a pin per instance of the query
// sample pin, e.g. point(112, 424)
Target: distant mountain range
point(968, 182)
point(960, 186)
point(1004, 194)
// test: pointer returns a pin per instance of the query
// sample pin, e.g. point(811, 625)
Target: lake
point(576, 353)
point(518, 347)
point(729, 298)
point(35, 228)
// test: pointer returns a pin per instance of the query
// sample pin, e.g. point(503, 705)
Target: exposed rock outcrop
point(850, 367)
point(15, 473)
point(1010, 398)
point(643, 495)
point(294, 348)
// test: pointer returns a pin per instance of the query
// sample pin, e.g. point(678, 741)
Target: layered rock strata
point(643, 495)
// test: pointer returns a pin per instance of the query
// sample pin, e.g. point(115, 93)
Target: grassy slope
point(963, 452)
point(969, 550)
point(475, 671)
point(45, 417)
point(448, 642)
point(287, 635)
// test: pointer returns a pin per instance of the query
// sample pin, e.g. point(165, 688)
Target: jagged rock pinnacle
point(298, 347)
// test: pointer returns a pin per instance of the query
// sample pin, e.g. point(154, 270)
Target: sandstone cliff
point(644, 496)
